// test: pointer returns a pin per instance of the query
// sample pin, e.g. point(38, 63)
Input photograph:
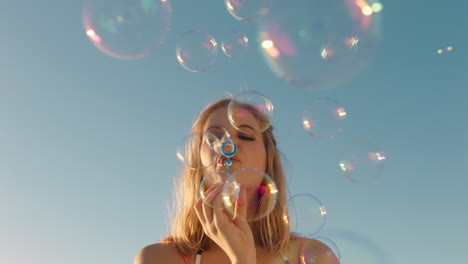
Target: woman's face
point(251, 151)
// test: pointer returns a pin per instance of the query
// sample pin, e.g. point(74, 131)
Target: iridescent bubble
point(196, 50)
point(188, 148)
point(316, 43)
point(323, 118)
point(247, 10)
point(230, 191)
point(215, 137)
point(127, 29)
point(262, 193)
point(361, 162)
point(331, 244)
point(312, 252)
point(246, 104)
point(235, 44)
point(306, 214)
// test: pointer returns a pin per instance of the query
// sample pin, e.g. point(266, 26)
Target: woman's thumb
point(240, 210)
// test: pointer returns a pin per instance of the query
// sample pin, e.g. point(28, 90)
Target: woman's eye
point(248, 138)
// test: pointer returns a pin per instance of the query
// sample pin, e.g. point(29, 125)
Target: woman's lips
point(224, 158)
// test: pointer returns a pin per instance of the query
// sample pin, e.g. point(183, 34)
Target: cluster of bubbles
point(359, 162)
point(307, 43)
point(197, 50)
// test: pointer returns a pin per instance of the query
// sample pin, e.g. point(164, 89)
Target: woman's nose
point(229, 147)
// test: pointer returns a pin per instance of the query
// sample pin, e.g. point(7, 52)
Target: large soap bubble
point(247, 10)
point(127, 29)
point(318, 43)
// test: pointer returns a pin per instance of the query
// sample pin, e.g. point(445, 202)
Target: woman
point(203, 234)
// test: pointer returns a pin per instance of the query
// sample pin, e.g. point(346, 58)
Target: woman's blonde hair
point(271, 232)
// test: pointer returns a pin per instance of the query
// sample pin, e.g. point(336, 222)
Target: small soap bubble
point(230, 191)
point(196, 50)
point(127, 29)
point(247, 10)
point(235, 44)
point(361, 162)
point(323, 118)
point(307, 214)
point(248, 103)
point(216, 138)
point(261, 190)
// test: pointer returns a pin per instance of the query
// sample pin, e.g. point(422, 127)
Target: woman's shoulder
point(158, 253)
point(312, 248)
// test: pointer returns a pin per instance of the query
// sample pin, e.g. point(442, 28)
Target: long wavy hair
point(271, 232)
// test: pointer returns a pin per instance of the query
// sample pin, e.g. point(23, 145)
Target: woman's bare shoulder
point(313, 248)
point(158, 253)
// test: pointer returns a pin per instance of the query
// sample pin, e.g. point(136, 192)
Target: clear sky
point(88, 141)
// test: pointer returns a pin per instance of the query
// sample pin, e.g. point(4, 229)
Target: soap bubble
point(361, 161)
point(247, 10)
point(196, 50)
point(235, 44)
point(317, 43)
point(245, 104)
point(307, 214)
point(230, 191)
point(127, 29)
point(262, 193)
point(187, 149)
point(323, 118)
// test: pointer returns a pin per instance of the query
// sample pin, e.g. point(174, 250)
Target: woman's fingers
point(240, 212)
point(199, 211)
point(241, 204)
point(199, 204)
point(210, 196)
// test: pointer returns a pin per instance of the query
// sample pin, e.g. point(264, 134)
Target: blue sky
point(88, 142)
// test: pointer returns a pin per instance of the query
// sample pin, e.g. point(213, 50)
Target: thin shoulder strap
point(285, 258)
point(198, 258)
point(182, 254)
point(301, 252)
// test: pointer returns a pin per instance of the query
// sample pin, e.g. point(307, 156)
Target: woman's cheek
point(207, 156)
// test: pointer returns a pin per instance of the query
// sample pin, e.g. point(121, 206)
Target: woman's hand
point(234, 235)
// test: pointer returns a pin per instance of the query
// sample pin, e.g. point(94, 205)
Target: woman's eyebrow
point(248, 126)
point(215, 127)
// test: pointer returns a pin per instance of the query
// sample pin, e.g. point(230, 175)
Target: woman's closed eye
point(248, 138)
